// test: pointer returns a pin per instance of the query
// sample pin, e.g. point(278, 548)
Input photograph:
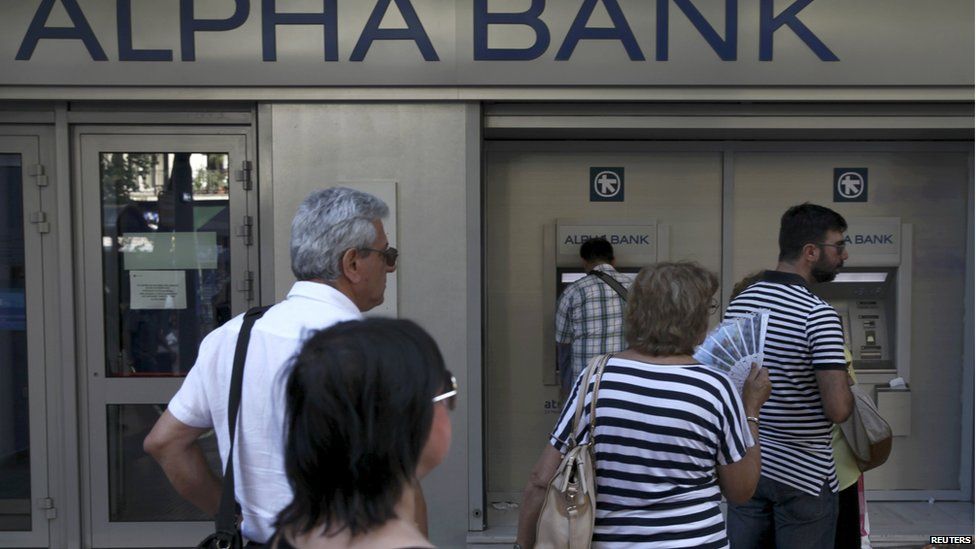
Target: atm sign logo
point(606, 184)
point(850, 184)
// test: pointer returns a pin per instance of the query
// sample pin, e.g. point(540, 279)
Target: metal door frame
point(95, 390)
point(28, 147)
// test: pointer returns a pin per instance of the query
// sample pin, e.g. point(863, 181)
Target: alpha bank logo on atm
point(606, 184)
point(850, 184)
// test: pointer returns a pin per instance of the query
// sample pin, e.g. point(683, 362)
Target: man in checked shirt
point(590, 313)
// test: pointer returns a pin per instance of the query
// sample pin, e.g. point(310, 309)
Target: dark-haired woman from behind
point(367, 415)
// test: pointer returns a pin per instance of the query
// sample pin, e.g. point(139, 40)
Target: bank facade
point(152, 155)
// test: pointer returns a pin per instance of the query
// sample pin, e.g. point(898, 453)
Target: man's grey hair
point(327, 223)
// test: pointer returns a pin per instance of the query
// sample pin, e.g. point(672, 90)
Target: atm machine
point(872, 295)
point(636, 243)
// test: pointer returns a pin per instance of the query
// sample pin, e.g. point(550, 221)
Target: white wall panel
point(424, 148)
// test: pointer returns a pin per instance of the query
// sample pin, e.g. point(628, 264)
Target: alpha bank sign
point(484, 42)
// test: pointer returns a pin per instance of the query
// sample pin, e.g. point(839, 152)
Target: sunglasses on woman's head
point(450, 396)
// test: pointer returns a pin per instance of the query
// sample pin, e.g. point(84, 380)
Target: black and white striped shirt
point(804, 335)
point(661, 430)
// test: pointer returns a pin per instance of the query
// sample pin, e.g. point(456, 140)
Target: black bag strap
point(225, 520)
point(612, 282)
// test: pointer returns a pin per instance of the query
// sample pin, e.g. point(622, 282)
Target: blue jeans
point(783, 517)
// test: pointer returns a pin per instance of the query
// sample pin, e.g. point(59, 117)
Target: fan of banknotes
point(734, 345)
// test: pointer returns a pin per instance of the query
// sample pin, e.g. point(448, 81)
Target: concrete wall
point(425, 149)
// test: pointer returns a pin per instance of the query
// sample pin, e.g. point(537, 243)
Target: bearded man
point(795, 502)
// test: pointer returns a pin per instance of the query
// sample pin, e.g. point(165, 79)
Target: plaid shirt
point(590, 315)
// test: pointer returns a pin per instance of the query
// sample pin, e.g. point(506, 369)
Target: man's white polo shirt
point(259, 473)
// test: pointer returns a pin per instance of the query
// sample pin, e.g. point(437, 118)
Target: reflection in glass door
point(165, 258)
point(23, 479)
point(158, 216)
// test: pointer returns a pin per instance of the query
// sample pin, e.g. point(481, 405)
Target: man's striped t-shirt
point(804, 335)
point(661, 430)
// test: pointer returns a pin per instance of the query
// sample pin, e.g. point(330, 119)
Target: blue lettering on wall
point(869, 239)
point(634, 239)
point(620, 31)
point(630, 239)
point(578, 239)
point(80, 31)
point(189, 26)
point(270, 19)
point(414, 31)
point(126, 51)
point(726, 49)
point(529, 18)
point(768, 25)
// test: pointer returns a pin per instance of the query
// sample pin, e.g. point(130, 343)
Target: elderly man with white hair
point(340, 257)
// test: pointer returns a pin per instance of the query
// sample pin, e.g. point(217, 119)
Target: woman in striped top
point(672, 436)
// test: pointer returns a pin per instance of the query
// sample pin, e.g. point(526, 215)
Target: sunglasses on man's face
point(390, 254)
point(450, 396)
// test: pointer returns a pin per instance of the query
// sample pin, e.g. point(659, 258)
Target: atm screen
point(865, 300)
point(567, 275)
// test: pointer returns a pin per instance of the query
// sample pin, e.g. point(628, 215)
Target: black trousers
point(848, 519)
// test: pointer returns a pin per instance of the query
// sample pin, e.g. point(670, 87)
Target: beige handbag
point(866, 432)
point(569, 509)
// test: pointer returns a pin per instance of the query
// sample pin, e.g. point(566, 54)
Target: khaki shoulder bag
point(569, 509)
point(866, 432)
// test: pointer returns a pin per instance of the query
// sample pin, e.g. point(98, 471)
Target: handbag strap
point(225, 520)
point(597, 364)
point(612, 282)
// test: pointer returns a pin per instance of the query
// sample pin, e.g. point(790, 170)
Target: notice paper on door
point(157, 289)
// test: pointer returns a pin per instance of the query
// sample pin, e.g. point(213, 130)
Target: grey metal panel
point(492, 93)
point(474, 191)
point(26, 116)
point(192, 118)
point(266, 205)
point(969, 355)
point(730, 121)
point(66, 529)
point(728, 190)
point(727, 108)
point(734, 146)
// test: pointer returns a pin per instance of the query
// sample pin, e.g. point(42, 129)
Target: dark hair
point(359, 412)
point(596, 249)
point(805, 224)
point(667, 308)
point(746, 281)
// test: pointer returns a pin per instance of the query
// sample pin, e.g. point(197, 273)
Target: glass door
point(23, 451)
point(166, 239)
